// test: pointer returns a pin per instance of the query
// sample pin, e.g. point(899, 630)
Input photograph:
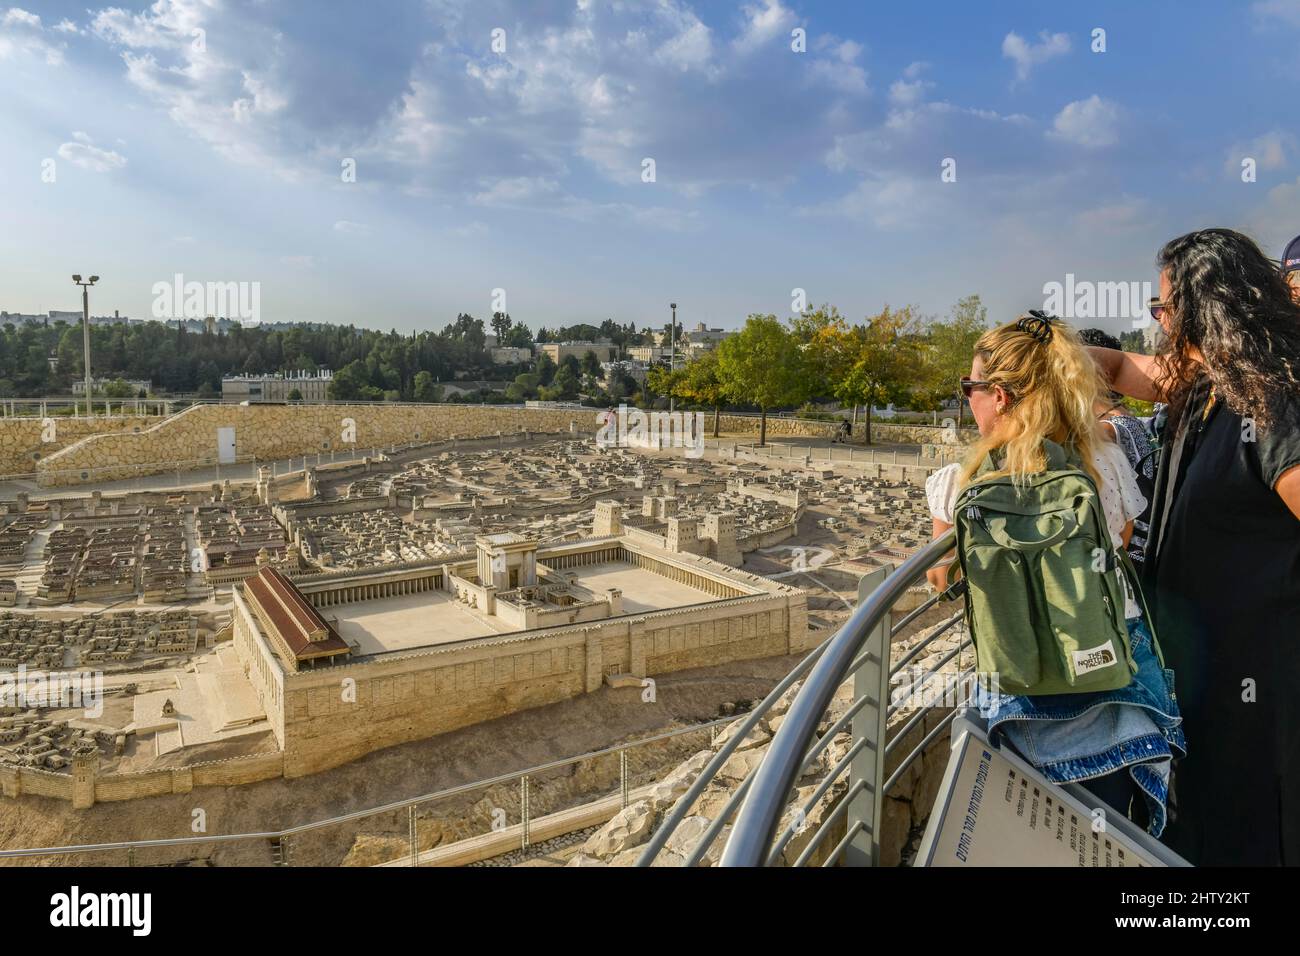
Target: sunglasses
point(1156, 307)
point(969, 385)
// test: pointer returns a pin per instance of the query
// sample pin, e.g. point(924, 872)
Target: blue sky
point(218, 155)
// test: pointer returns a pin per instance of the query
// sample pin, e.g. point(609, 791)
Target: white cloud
point(1275, 221)
point(1287, 11)
point(21, 32)
point(887, 202)
point(516, 190)
point(1027, 54)
point(16, 16)
point(345, 227)
point(82, 152)
point(763, 23)
point(66, 26)
point(836, 67)
point(1092, 123)
point(1127, 213)
point(1269, 150)
point(910, 89)
point(691, 47)
point(167, 24)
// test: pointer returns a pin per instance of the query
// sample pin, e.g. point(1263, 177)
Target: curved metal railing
point(860, 650)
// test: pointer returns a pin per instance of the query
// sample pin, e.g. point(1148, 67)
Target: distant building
point(703, 339)
point(57, 315)
point(312, 386)
point(138, 385)
point(510, 354)
point(559, 351)
point(649, 354)
point(636, 370)
point(18, 318)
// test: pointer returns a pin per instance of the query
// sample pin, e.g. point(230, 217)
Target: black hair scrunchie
point(1038, 324)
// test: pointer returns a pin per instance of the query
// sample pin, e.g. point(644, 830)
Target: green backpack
point(1044, 606)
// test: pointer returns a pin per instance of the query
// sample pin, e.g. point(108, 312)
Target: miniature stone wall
point(99, 787)
point(267, 432)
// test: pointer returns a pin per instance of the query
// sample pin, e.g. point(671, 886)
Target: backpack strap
point(1131, 575)
point(1058, 458)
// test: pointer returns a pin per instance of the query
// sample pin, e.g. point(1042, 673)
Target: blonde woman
point(1031, 380)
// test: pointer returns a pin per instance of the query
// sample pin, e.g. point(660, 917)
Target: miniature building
point(506, 561)
point(291, 620)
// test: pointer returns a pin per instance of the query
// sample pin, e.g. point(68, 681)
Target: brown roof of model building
point(299, 625)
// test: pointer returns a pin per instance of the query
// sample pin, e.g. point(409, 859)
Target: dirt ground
point(511, 743)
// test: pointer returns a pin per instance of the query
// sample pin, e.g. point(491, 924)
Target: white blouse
point(1121, 501)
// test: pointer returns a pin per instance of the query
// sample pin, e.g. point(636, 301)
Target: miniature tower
point(609, 519)
point(683, 534)
point(721, 530)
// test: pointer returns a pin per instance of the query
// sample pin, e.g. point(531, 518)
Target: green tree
point(886, 360)
point(948, 350)
point(703, 385)
point(426, 389)
point(566, 380)
point(762, 365)
point(1133, 341)
point(500, 326)
point(661, 380)
point(545, 369)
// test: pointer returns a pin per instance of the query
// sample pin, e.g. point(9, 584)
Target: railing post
point(622, 776)
point(410, 823)
point(523, 804)
point(871, 681)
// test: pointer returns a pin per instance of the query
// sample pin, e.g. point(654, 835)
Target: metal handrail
point(755, 827)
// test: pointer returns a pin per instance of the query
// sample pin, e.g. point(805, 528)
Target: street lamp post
point(85, 332)
point(672, 354)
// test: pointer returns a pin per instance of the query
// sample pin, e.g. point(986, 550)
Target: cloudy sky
point(504, 145)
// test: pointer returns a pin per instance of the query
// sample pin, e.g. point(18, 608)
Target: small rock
point(629, 827)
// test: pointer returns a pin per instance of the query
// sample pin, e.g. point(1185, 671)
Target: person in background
point(1025, 387)
point(1222, 569)
point(1136, 437)
point(1291, 266)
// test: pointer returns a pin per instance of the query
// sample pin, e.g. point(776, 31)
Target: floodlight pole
point(672, 354)
point(85, 334)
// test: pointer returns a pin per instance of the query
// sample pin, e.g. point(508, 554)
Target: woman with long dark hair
point(1222, 570)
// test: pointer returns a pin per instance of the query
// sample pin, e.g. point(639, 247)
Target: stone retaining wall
point(268, 432)
point(26, 441)
point(114, 449)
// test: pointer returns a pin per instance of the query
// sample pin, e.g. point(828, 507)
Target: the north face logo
point(1094, 659)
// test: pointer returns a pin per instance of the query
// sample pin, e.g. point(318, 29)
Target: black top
point(1222, 577)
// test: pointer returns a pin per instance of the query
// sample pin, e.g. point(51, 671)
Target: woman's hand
point(938, 575)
